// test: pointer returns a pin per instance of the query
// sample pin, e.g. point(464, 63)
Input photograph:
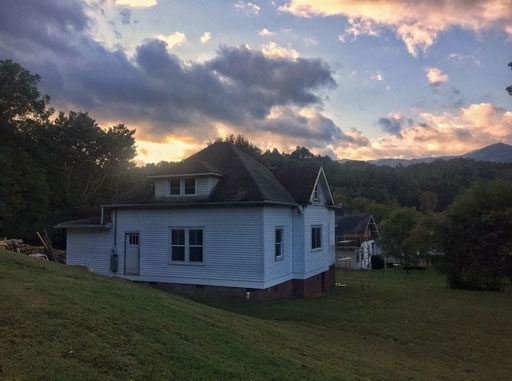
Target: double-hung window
point(316, 237)
point(195, 245)
point(279, 233)
point(187, 245)
point(190, 186)
point(175, 187)
point(178, 245)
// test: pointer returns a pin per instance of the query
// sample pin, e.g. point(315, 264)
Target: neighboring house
point(218, 218)
point(355, 240)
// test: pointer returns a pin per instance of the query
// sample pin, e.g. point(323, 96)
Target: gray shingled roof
point(352, 224)
point(299, 181)
point(244, 179)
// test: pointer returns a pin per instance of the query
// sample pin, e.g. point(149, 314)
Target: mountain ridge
point(497, 152)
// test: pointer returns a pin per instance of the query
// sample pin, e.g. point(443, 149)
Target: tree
point(476, 237)
point(395, 234)
point(509, 89)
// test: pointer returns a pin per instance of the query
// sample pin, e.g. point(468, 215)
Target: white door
point(131, 264)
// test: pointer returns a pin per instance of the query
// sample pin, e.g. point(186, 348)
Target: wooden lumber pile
point(18, 246)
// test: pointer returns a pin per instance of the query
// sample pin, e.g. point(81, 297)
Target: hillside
point(67, 323)
point(498, 153)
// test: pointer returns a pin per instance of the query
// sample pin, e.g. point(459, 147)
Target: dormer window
point(316, 193)
point(190, 187)
point(175, 187)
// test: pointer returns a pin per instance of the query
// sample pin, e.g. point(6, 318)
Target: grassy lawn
point(63, 322)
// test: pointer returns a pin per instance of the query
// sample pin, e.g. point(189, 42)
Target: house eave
point(202, 174)
point(67, 225)
point(206, 204)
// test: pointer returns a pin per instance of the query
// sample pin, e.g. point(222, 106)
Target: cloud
point(137, 3)
point(249, 8)
point(456, 133)
point(205, 37)
point(394, 123)
point(273, 50)
point(435, 77)
point(310, 41)
point(266, 33)
point(126, 15)
point(173, 39)
point(417, 23)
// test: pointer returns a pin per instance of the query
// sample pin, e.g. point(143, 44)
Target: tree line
point(56, 166)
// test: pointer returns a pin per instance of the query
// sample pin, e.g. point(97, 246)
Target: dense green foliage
point(378, 262)
point(475, 235)
point(52, 169)
point(62, 322)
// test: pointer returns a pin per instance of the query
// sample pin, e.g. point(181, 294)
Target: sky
point(349, 79)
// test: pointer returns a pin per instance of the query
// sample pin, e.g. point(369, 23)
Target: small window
point(175, 187)
point(190, 186)
point(133, 239)
point(279, 243)
point(178, 244)
point(195, 245)
point(316, 193)
point(316, 237)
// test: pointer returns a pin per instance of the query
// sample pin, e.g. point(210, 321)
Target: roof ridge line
point(237, 152)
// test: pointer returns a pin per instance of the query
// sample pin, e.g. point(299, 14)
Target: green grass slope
point(63, 322)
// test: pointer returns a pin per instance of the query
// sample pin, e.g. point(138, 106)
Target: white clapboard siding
point(277, 270)
point(232, 245)
point(161, 188)
point(89, 247)
point(318, 260)
point(298, 244)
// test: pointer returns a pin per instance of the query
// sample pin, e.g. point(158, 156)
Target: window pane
point(178, 237)
point(196, 254)
point(279, 250)
point(195, 237)
point(190, 186)
point(279, 235)
point(175, 186)
point(178, 253)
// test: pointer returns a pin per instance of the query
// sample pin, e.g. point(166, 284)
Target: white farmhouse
point(221, 221)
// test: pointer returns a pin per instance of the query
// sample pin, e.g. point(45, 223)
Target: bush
point(377, 262)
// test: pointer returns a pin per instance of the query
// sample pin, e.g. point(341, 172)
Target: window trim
point(187, 246)
point(281, 256)
point(319, 248)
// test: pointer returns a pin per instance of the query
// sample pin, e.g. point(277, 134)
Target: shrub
point(377, 262)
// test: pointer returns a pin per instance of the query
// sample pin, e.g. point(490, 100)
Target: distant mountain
point(499, 153)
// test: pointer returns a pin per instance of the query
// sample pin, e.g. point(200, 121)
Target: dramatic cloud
point(449, 134)
point(435, 77)
point(394, 123)
point(416, 23)
point(154, 90)
point(205, 37)
point(173, 39)
point(266, 33)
